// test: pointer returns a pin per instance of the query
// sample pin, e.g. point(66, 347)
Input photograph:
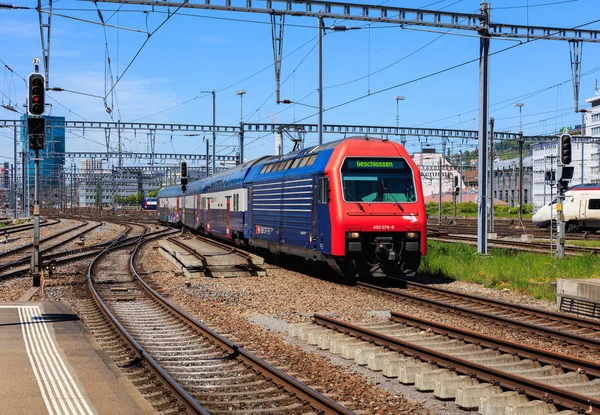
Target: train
point(355, 204)
point(149, 203)
point(581, 209)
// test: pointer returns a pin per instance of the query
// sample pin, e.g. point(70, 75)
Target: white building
point(91, 165)
point(585, 157)
point(429, 163)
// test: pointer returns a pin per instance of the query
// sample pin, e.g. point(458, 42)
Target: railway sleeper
point(447, 385)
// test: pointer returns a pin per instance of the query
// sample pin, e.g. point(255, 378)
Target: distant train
point(355, 204)
point(149, 203)
point(581, 209)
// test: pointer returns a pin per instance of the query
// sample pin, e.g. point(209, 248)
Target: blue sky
point(197, 50)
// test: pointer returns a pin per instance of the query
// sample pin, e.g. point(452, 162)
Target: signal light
point(183, 169)
point(565, 149)
point(37, 92)
point(184, 179)
point(36, 130)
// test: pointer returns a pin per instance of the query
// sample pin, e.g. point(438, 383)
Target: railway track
point(505, 228)
point(205, 371)
point(8, 230)
point(219, 260)
point(569, 330)
point(528, 246)
point(45, 240)
point(477, 371)
point(25, 259)
point(66, 257)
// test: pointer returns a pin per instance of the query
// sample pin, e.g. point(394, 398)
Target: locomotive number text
point(383, 227)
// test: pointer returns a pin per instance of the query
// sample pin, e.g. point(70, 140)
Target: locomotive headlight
point(412, 235)
point(352, 235)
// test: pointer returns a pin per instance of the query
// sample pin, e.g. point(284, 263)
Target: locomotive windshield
point(377, 180)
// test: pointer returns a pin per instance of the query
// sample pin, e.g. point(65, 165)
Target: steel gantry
point(479, 22)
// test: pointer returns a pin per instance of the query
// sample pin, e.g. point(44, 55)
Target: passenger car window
point(594, 204)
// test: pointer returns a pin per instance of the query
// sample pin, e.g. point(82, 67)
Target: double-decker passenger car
point(355, 204)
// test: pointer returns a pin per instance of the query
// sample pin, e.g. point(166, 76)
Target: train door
point(197, 210)
point(228, 217)
point(323, 223)
point(314, 216)
point(208, 214)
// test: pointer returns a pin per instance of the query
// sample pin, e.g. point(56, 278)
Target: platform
point(50, 364)
point(580, 296)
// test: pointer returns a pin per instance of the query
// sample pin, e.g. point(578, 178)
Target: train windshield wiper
point(385, 189)
point(350, 200)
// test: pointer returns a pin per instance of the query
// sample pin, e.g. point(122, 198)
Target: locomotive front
point(379, 223)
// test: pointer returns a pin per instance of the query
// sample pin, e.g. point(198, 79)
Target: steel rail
point(550, 333)
point(523, 351)
point(194, 253)
point(190, 403)
point(578, 321)
point(56, 235)
point(82, 253)
point(532, 388)
point(517, 245)
point(244, 255)
point(309, 395)
point(56, 245)
point(25, 227)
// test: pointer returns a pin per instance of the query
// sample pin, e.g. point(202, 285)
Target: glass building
point(52, 174)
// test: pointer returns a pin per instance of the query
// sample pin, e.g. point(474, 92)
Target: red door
point(228, 216)
point(208, 215)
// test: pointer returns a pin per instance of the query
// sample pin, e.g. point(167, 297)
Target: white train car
point(581, 209)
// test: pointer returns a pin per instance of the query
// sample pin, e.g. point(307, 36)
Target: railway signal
point(565, 149)
point(184, 178)
point(36, 130)
point(36, 94)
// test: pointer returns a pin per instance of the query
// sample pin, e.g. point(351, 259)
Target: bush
point(527, 209)
point(468, 207)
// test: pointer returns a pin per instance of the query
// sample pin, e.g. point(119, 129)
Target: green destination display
point(375, 163)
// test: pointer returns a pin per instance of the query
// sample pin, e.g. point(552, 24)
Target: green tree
point(153, 192)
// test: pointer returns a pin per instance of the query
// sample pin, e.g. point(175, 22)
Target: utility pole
point(23, 195)
point(120, 162)
point(521, 178)
point(207, 158)
point(460, 169)
point(214, 123)
point(484, 47)
point(492, 174)
point(321, 32)
point(582, 133)
point(440, 189)
point(241, 160)
point(14, 181)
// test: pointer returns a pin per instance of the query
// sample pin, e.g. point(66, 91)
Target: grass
point(530, 273)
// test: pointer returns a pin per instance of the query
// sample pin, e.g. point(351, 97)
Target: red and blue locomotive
point(355, 204)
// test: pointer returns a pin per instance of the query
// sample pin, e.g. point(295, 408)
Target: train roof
point(585, 186)
point(236, 175)
point(230, 177)
point(172, 190)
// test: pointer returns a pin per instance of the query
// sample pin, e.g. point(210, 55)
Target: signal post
point(36, 131)
point(564, 173)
